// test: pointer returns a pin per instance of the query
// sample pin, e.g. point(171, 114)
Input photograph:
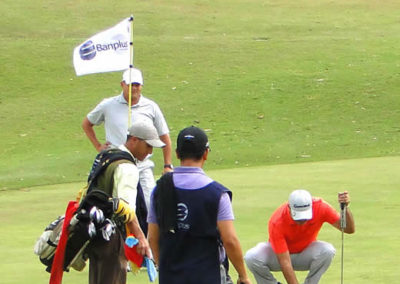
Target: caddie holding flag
point(293, 245)
point(112, 50)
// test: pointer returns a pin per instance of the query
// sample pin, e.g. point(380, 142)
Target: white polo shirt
point(113, 112)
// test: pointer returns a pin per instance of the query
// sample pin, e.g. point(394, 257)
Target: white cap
point(146, 131)
point(300, 202)
point(135, 76)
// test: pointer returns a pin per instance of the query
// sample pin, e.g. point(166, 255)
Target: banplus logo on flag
point(87, 50)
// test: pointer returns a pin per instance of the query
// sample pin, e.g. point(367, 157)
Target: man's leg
point(261, 260)
point(147, 182)
point(107, 262)
point(316, 258)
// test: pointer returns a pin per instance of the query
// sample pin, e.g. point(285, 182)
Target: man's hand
point(102, 147)
point(344, 197)
point(143, 247)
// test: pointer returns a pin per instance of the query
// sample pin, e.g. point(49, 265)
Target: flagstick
point(130, 74)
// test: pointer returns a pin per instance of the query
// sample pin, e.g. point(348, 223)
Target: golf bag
point(45, 246)
point(100, 164)
point(94, 218)
point(91, 220)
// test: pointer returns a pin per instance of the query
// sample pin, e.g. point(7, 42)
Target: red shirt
point(286, 235)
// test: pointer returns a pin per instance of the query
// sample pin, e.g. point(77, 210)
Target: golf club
point(342, 227)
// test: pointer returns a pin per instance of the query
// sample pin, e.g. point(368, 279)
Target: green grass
point(292, 94)
point(273, 82)
point(370, 255)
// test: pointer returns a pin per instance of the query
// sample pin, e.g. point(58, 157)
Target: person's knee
point(249, 259)
point(328, 252)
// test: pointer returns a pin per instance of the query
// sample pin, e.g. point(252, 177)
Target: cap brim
point(301, 215)
point(133, 82)
point(155, 143)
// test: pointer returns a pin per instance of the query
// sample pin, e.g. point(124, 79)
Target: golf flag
point(107, 51)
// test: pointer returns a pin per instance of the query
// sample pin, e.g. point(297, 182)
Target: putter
point(342, 227)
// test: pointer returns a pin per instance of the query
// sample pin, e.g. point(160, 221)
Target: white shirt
point(114, 113)
point(126, 178)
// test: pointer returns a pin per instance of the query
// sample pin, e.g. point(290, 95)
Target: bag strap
point(108, 176)
point(103, 160)
point(165, 198)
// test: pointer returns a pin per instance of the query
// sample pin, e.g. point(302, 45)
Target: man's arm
point(233, 249)
point(287, 268)
point(344, 197)
point(153, 235)
point(350, 225)
point(143, 247)
point(87, 127)
point(167, 152)
point(126, 177)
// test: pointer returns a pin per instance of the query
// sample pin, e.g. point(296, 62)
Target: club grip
point(343, 216)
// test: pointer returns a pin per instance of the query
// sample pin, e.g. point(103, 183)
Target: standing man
point(191, 220)
point(113, 112)
point(118, 180)
point(293, 230)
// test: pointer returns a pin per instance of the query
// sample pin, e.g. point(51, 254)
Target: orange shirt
point(286, 235)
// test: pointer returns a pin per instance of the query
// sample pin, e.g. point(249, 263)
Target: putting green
point(371, 182)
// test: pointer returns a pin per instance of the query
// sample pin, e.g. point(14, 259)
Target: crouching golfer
point(293, 245)
point(190, 214)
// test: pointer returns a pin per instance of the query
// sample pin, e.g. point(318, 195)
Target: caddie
point(113, 112)
point(107, 258)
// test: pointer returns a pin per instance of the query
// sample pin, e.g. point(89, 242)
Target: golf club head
point(91, 230)
point(96, 215)
point(108, 229)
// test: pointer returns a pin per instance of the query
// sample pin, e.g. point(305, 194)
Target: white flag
point(106, 51)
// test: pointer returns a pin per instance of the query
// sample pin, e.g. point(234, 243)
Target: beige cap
point(146, 131)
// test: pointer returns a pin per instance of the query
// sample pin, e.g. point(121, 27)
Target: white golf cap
point(300, 202)
point(132, 76)
point(146, 131)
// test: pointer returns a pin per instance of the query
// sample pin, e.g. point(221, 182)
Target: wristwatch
point(169, 166)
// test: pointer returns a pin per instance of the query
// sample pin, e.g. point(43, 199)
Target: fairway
point(299, 80)
point(373, 185)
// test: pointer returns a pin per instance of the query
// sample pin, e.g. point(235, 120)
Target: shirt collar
point(190, 178)
point(123, 148)
point(122, 100)
point(191, 170)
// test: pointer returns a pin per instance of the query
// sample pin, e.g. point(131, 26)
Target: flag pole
point(130, 73)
